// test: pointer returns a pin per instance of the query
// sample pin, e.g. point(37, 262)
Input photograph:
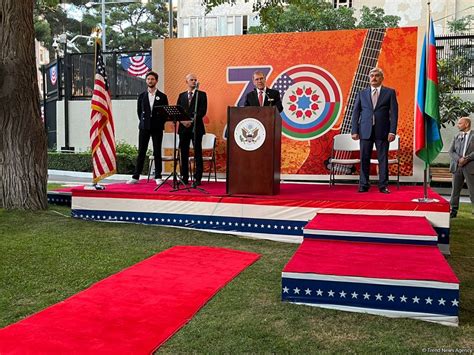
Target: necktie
point(375, 96)
point(190, 97)
point(260, 97)
point(461, 140)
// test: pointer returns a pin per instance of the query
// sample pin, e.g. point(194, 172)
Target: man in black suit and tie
point(462, 163)
point(374, 120)
point(262, 96)
point(194, 102)
point(151, 124)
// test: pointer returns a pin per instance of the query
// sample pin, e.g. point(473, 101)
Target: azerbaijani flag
point(428, 141)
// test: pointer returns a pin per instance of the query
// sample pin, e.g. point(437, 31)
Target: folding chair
point(208, 145)
point(342, 148)
point(393, 147)
point(166, 144)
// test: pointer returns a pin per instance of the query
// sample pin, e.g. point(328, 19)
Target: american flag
point(102, 124)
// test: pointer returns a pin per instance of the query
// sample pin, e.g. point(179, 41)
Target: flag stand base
point(425, 200)
point(94, 187)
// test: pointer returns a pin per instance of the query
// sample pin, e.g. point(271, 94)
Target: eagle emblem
point(249, 135)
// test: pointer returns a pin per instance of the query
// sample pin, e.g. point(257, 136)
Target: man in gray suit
point(462, 163)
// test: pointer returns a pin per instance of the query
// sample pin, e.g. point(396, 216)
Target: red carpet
point(133, 311)
point(374, 224)
point(374, 260)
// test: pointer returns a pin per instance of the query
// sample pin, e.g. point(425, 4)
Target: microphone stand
point(194, 120)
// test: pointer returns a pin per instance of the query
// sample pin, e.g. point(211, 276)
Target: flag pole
point(425, 122)
point(95, 184)
point(425, 198)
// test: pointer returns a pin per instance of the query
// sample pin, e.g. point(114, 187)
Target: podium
point(253, 150)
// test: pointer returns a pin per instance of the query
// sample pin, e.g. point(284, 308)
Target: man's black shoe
point(196, 183)
point(453, 215)
point(186, 182)
point(384, 190)
point(363, 189)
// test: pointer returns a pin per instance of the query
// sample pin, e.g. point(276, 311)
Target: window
point(210, 26)
point(342, 3)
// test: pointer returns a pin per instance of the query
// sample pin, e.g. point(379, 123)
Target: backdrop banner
point(318, 75)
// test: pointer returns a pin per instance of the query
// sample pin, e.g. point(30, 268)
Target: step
point(371, 228)
point(393, 280)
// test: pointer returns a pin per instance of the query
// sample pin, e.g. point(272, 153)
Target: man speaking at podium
point(262, 96)
point(194, 102)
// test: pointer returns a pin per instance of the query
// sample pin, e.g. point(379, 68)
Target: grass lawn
point(47, 256)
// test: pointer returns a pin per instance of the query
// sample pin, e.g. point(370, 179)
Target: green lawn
point(47, 256)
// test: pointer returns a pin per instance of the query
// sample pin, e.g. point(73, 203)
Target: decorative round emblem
point(53, 74)
point(311, 99)
point(250, 134)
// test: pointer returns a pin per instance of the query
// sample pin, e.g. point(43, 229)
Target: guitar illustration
point(368, 59)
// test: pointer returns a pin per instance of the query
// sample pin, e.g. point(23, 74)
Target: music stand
point(174, 113)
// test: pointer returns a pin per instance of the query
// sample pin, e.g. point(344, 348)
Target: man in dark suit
point(374, 120)
point(194, 102)
point(151, 124)
point(462, 163)
point(262, 96)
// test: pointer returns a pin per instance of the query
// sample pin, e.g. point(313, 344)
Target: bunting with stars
point(393, 280)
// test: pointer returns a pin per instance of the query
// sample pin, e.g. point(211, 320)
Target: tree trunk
point(23, 152)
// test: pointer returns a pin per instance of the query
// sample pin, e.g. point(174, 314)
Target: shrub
point(83, 162)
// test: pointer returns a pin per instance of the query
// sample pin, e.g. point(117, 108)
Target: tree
point(51, 19)
point(134, 26)
point(129, 26)
point(23, 159)
point(375, 18)
point(454, 72)
point(311, 15)
point(461, 25)
point(304, 15)
point(317, 15)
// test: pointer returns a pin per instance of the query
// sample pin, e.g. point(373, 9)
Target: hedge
point(83, 162)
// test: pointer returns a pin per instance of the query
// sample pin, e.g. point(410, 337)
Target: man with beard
point(151, 124)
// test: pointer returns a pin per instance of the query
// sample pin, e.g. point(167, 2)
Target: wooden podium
point(253, 150)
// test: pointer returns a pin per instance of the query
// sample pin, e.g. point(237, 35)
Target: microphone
point(197, 85)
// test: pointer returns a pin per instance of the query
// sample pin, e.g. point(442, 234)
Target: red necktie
point(260, 98)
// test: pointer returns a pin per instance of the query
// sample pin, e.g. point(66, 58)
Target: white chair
point(166, 144)
point(395, 159)
point(208, 145)
point(341, 160)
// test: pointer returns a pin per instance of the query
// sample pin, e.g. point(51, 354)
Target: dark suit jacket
point(385, 112)
point(455, 152)
point(189, 108)
point(272, 98)
point(149, 117)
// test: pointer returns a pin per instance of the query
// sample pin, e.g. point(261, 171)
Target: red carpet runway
point(133, 311)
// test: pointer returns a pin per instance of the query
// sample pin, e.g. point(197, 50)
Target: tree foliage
point(461, 25)
point(134, 26)
point(453, 73)
point(375, 18)
point(312, 15)
point(129, 26)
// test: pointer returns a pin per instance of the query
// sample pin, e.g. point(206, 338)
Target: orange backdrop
point(334, 52)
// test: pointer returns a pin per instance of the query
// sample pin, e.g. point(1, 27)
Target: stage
point(280, 217)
